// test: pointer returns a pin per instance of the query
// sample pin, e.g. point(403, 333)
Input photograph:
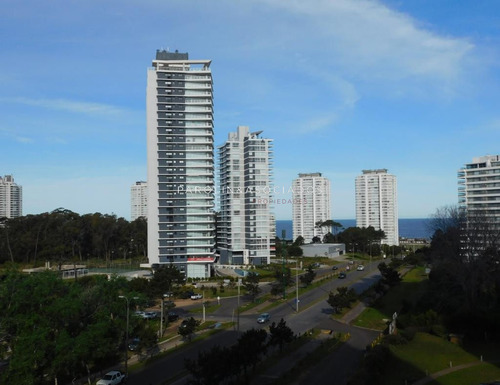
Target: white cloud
point(68, 105)
point(373, 42)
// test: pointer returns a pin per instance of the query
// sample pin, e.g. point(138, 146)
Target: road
point(314, 313)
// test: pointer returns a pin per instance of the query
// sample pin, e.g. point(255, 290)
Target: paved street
point(314, 313)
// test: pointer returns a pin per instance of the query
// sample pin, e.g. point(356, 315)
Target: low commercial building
point(329, 250)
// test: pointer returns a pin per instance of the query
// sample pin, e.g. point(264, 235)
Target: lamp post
point(297, 282)
point(283, 254)
point(161, 316)
point(126, 334)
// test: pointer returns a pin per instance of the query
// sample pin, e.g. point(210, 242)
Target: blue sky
point(340, 85)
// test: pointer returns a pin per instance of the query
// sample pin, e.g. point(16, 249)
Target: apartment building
point(179, 108)
point(311, 204)
point(376, 203)
point(246, 226)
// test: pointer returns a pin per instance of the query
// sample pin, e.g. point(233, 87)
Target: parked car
point(196, 296)
point(134, 344)
point(360, 268)
point(112, 378)
point(139, 313)
point(263, 318)
point(335, 267)
point(149, 315)
point(172, 316)
point(342, 275)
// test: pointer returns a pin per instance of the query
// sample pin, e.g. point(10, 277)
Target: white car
point(360, 268)
point(196, 296)
point(112, 378)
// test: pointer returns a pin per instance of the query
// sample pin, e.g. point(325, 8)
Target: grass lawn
point(410, 289)
point(425, 354)
point(484, 372)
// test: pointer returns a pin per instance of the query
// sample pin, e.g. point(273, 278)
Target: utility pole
point(297, 283)
point(283, 254)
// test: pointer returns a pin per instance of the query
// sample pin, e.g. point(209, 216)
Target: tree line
point(63, 236)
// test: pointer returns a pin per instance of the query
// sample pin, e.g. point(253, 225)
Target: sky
point(340, 86)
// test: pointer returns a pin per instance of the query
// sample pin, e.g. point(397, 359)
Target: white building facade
point(179, 108)
point(376, 203)
point(139, 200)
point(246, 226)
point(11, 198)
point(311, 204)
point(479, 189)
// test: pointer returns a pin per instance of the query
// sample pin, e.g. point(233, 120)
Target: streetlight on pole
point(126, 334)
point(162, 316)
point(297, 282)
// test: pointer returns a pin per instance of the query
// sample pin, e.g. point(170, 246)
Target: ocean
point(408, 227)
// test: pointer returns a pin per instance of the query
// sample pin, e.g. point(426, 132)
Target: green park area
point(415, 352)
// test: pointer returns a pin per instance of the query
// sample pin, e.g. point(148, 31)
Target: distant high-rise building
point(139, 200)
point(181, 223)
point(479, 189)
point(246, 228)
point(310, 205)
point(11, 198)
point(376, 203)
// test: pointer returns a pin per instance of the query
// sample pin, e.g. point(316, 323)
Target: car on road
point(335, 267)
point(360, 268)
point(342, 275)
point(134, 344)
point(112, 378)
point(172, 316)
point(263, 318)
point(149, 315)
point(196, 296)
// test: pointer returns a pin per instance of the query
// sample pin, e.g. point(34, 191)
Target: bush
point(395, 339)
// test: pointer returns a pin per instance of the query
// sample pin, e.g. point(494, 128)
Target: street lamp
point(161, 316)
point(297, 282)
point(126, 333)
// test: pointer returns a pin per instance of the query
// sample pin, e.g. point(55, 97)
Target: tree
point(250, 347)
point(295, 251)
point(251, 284)
point(283, 279)
point(390, 276)
point(280, 334)
point(299, 241)
point(308, 276)
point(164, 279)
point(56, 329)
point(465, 261)
point(188, 327)
point(342, 299)
point(212, 367)
point(328, 238)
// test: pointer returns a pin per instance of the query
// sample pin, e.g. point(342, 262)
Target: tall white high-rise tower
point(376, 203)
point(479, 189)
point(139, 200)
point(311, 204)
point(181, 225)
point(246, 228)
point(11, 198)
